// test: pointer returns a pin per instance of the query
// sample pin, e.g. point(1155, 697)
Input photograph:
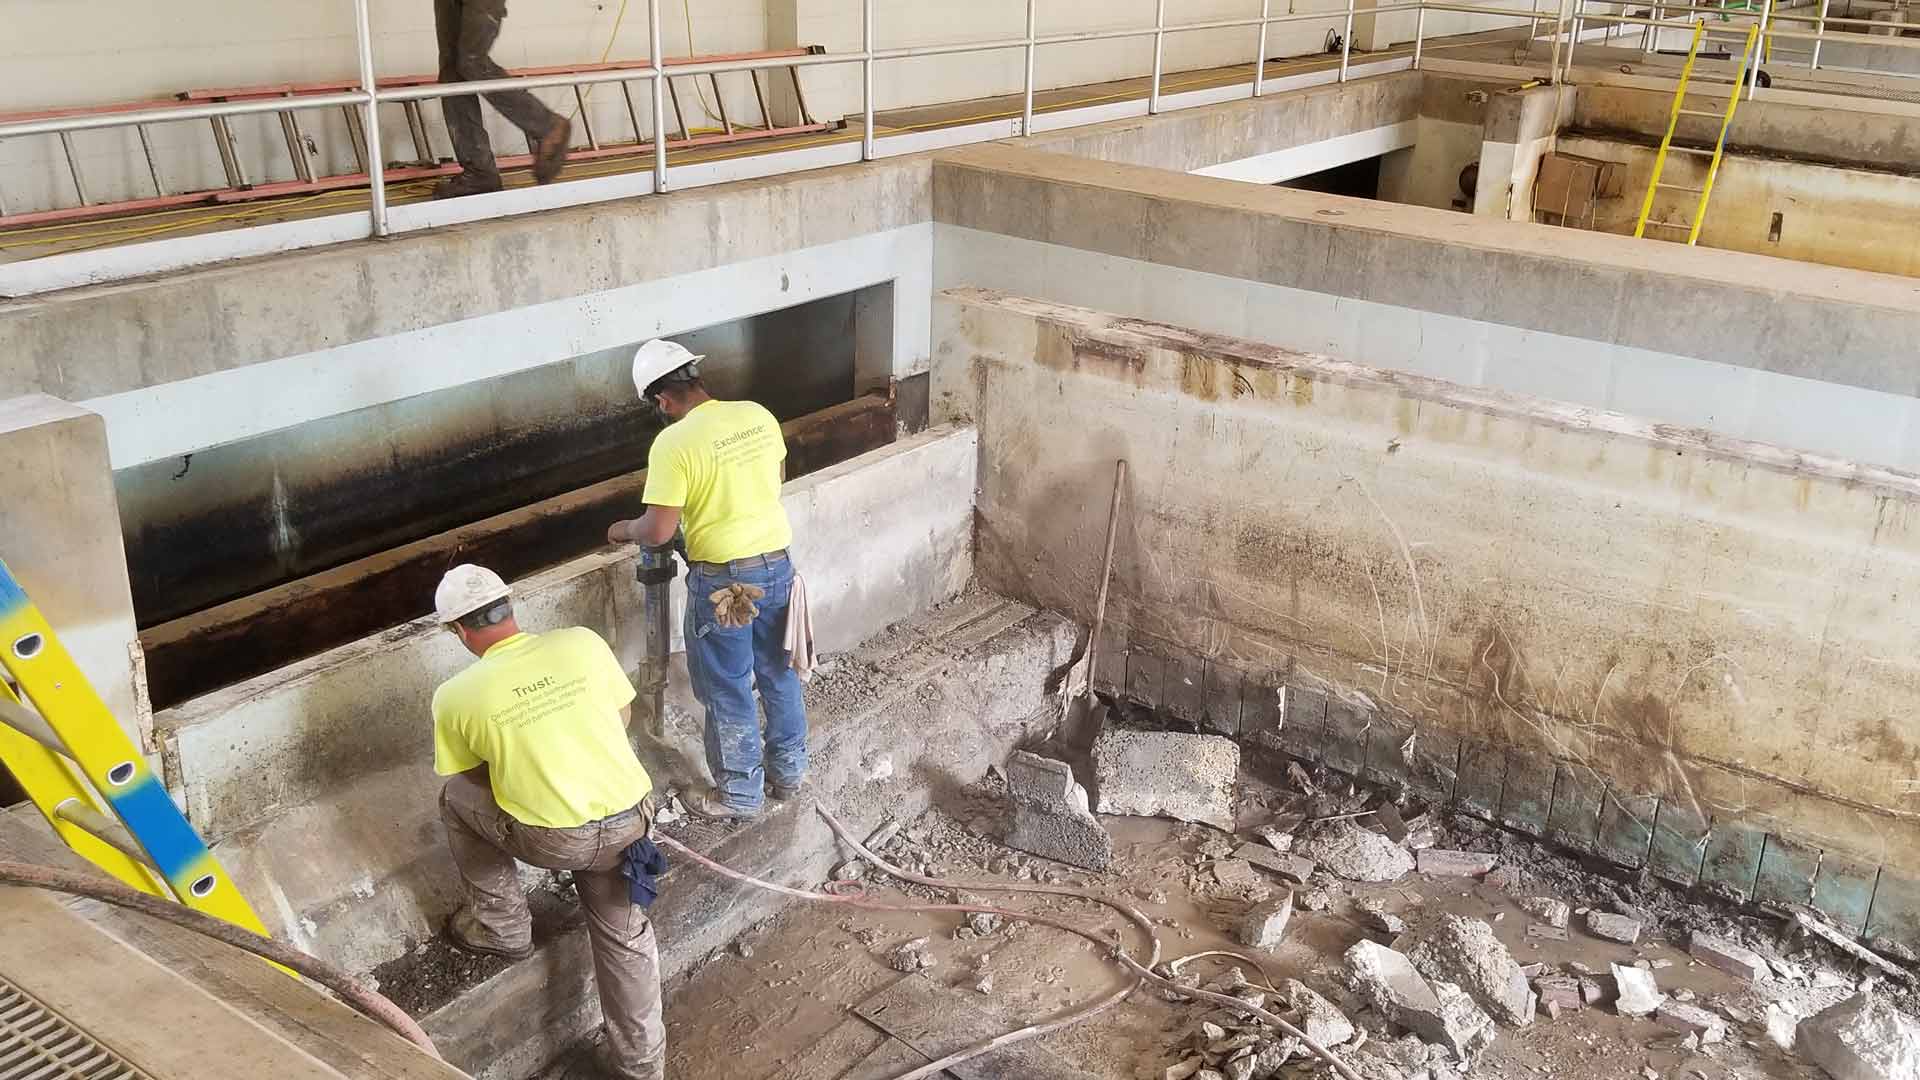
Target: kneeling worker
point(534, 738)
point(716, 469)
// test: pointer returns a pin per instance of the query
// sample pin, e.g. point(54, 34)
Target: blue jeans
point(727, 663)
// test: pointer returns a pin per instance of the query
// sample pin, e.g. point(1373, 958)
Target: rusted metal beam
point(242, 638)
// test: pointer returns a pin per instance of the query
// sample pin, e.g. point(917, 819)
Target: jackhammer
point(655, 571)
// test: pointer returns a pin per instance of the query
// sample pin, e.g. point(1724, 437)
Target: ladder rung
point(1701, 112)
point(1668, 225)
point(1677, 187)
point(1691, 150)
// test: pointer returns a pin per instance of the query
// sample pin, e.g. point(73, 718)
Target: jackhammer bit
point(655, 571)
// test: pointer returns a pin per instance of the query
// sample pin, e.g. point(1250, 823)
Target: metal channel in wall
point(253, 555)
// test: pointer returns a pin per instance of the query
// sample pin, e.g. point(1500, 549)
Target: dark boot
point(466, 184)
point(551, 154)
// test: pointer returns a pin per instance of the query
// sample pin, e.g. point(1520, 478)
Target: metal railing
point(1568, 22)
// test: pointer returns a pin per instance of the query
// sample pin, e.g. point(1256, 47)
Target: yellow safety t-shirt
point(720, 465)
point(542, 711)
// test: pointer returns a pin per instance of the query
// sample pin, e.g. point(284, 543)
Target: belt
point(751, 562)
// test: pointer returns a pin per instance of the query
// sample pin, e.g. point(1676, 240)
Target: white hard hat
point(466, 589)
point(657, 358)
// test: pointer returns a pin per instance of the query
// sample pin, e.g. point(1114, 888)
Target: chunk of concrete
point(1680, 1016)
point(1441, 862)
point(1050, 815)
point(1461, 950)
point(1167, 774)
point(1621, 928)
point(1348, 851)
point(1554, 913)
point(1265, 926)
point(1639, 994)
point(1323, 1021)
point(1292, 867)
point(1560, 991)
point(1861, 1038)
point(1375, 916)
point(1437, 1012)
point(1727, 956)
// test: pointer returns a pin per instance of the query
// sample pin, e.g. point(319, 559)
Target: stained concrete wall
point(1647, 641)
point(1810, 357)
point(1879, 135)
point(60, 538)
point(1835, 216)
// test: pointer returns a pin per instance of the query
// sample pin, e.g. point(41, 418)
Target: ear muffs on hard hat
point(658, 359)
point(466, 589)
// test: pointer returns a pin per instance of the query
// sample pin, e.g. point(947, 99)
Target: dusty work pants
point(726, 665)
point(626, 962)
point(467, 29)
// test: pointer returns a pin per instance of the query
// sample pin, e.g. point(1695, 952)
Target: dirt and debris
point(434, 971)
point(1346, 850)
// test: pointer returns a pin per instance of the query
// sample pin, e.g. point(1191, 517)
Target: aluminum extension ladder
point(1657, 182)
point(87, 778)
point(426, 164)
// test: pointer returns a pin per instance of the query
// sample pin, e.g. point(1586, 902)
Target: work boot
point(466, 184)
point(467, 932)
point(710, 804)
point(787, 792)
point(551, 154)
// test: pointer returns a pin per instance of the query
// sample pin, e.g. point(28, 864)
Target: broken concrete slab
point(1680, 1016)
point(1265, 926)
point(1437, 1012)
point(1167, 774)
point(1292, 867)
point(1728, 956)
point(1348, 851)
point(1621, 928)
point(1461, 950)
point(1639, 994)
point(1560, 991)
point(1375, 916)
point(1323, 1021)
point(1444, 863)
point(1237, 874)
point(1548, 910)
point(1050, 814)
point(1861, 1038)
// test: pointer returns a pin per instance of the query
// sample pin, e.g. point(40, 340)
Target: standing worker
point(716, 469)
point(467, 30)
point(533, 736)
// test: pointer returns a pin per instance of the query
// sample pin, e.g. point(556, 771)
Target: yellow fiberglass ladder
point(1657, 182)
point(87, 778)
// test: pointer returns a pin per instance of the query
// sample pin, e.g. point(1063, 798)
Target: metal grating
point(37, 1043)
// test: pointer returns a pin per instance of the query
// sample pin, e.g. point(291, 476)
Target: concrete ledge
point(878, 538)
point(1534, 590)
point(1750, 311)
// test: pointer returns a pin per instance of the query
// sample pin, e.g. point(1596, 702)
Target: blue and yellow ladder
point(89, 780)
point(1657, 182)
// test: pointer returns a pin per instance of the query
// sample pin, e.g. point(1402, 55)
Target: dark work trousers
point(467, 30)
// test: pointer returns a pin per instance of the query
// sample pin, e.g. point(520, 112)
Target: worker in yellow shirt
point(533, 736)
point(715, 470)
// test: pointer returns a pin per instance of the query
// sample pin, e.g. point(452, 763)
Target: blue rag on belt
point(641, 864)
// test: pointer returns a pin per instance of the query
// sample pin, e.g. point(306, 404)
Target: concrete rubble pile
point(1861, 1038)
point(1230, 1045)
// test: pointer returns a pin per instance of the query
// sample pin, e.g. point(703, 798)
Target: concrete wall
point(1810, 357)
point(1835, 216)
point(1873, 134)
point(1634, 633)
point(1521, 126)
point(60, 538)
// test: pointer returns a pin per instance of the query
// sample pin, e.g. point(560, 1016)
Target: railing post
point(1652, 40)
point(1559, 24)
point(866, 80)
point(370, 119)
point(1819, 35)
point(1420, 35)
point(1260, 50)
point(1346, 43)
point(656, 56)
point(1159, 54)
point(1573, 33)
point(1026, 106)
point(1759, 50)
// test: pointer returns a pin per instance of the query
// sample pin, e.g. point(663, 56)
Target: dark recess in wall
point(1360, 179)
point(232, 520)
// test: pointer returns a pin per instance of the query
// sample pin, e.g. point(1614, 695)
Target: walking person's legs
point(495, 918)
point(471, 147)
point(781, 690)
point(626, 970)
point(547, 130)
